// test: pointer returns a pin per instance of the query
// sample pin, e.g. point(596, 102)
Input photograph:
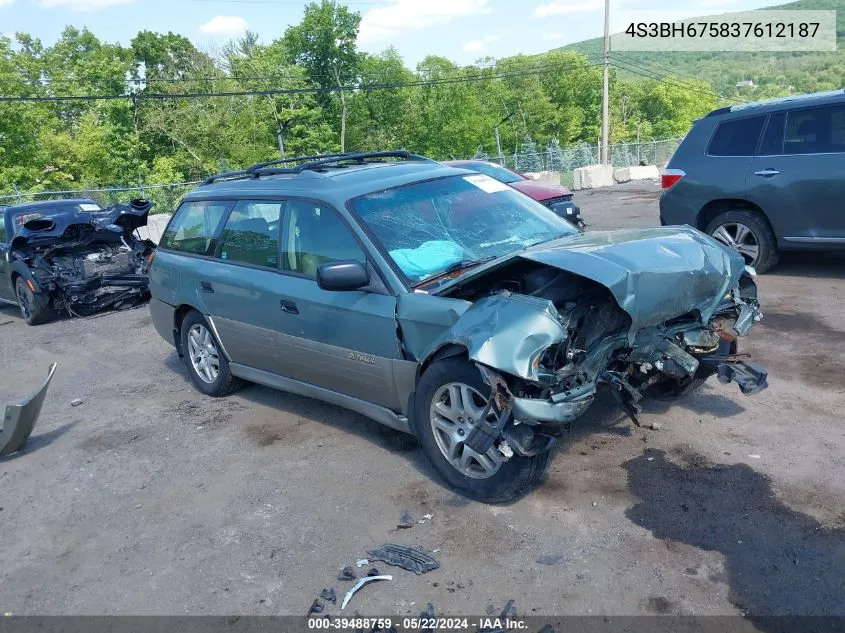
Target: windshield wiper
point(464, 263)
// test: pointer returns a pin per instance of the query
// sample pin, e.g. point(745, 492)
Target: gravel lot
point(150, 498)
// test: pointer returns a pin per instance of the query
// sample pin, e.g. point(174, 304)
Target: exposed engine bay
point(546, 338)
point(84, 262)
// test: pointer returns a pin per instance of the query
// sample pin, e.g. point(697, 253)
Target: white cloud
point(80, 5)
point(476, 46)
point(410, 15)
point(225, 25)
point(6, 2)
point(560, 7)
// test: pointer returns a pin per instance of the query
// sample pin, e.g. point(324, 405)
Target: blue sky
point(462, 30)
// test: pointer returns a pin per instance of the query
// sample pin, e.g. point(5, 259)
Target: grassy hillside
point(774, 73)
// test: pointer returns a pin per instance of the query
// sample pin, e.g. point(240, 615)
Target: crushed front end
point(84, 262)
point(549, 329)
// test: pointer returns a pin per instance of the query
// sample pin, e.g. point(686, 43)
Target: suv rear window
point(193, 228)
point(815, 131)
point(737, 138)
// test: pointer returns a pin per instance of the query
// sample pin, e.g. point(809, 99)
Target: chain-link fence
point(557, 158)
point(165, 197)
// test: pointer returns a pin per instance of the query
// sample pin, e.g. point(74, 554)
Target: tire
point(511, 478)
point(208, 367)
point(725, 226)
point(33, 309)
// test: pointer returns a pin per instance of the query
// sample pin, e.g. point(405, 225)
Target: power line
point(313, 90)
point(673, 82)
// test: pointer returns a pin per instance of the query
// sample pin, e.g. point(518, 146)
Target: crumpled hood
point(655, 274)
point(70, 228)
point(539, 190)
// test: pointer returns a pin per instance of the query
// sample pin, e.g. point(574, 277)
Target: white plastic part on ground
point(641, 172)
point(592, 177)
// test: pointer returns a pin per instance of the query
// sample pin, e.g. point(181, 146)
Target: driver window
point(315, 235)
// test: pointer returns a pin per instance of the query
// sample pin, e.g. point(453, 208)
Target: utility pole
point(605, 94)
point(499, 140)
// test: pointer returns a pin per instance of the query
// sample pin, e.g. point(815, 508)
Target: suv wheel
point(748, 233)
point(206, 363)
point(450, 396)
point(32, 309)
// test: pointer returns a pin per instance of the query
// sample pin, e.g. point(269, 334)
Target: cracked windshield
point(432, 227)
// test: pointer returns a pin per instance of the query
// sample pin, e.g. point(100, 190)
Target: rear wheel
point(33, 309)
point(749, 234)
point(450, 399)
point(207, 365)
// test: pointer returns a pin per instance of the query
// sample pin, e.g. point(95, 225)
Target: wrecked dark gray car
point(444, 304)
point(73, 256)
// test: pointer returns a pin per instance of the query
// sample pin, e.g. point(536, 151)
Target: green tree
point(324, 43)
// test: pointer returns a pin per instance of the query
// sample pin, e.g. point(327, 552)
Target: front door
point(343, 341)
point(797, 176)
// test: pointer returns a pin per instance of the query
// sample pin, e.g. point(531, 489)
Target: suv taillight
point(670, 177)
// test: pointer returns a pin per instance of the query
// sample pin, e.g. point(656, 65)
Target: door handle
point(767, 172)
point(206, 286)
point(288, 306)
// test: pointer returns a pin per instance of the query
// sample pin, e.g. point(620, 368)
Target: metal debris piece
point(6, 322)
point(372, 572)
point(19, 419)
point(347, 573)
point(358, 585)
point(316, 607)
point(76, 402)
point(428, 613)
point(415, 559)
point(426, 517)
point(329, 594)
point(406, 520)
point(550, 559)
point(509, 610)
point(362, 562)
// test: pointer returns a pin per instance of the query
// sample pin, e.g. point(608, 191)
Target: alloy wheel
point(203, 353)
point(455, 408)
point(741, 238)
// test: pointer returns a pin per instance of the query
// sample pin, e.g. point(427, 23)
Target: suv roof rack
point(269, 168)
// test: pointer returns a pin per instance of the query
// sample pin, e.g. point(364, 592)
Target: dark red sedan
point(556, 197)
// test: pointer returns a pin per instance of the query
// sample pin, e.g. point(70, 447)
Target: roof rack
point(268, 168)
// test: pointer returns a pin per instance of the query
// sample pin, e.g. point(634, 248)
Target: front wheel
point(450, 399)
point(33, 309)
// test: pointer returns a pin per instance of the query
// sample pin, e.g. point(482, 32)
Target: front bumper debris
point(750, 378)
point(19, 419)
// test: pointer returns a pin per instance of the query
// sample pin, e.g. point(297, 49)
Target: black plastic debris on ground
point(347, 573)
point(372, 571)
point(329, 594)
point(415, 559)
point(316, 607)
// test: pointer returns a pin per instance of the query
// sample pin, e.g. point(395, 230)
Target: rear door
point(343, 341)
point(797, 176)
point(240, 284)
point(729, 154)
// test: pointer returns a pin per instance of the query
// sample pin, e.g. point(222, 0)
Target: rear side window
point(194, 227)
point(2, 226)
point(251, 234)
point(815, 131)
point(772, 144)
point(737, 138)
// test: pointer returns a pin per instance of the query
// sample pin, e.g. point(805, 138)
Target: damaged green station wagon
point(442, 303)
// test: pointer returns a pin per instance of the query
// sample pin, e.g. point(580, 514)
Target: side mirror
point(343, 274)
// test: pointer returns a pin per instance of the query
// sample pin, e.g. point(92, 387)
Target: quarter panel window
point(194, 227)
point(737, 138)
point(251, 233)
point(314, 235)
